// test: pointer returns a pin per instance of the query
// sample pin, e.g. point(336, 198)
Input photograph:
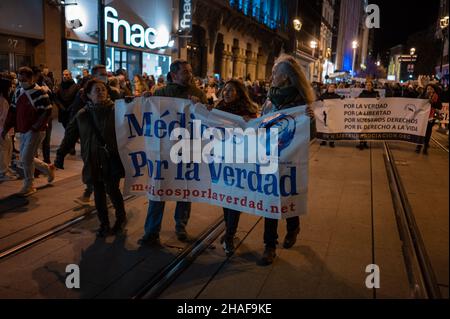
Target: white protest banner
point(349, 93)
point(400, 119)
point(274, 185)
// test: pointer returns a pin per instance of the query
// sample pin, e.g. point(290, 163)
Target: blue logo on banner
point(286, 130)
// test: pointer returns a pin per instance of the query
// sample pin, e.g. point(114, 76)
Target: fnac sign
point(135, 35)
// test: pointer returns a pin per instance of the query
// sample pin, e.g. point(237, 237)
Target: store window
point(123, 59)
point(134, 64)
point(4, 62)
point(155, 64)
point(22, 60)
point(81, 56)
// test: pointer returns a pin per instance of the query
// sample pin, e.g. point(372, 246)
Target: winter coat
point(99, 165)
point(329, 96)
point(180, 91)
point(368, 94)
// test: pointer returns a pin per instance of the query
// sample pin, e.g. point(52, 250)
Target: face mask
point(280, 96)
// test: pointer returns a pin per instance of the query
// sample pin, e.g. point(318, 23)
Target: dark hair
point(435, 87)
point(169, 77)
point(242, 94)
point(113, 81)
point(91, 84)
point(175, 66)
point(25, 71)
point(122, 72)
point(97, 67)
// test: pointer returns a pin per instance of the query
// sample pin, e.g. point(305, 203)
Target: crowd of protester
point(85, 108)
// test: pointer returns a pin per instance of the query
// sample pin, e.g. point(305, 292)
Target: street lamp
point(297, 24)
point(354, 46)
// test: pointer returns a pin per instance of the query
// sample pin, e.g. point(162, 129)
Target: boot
point(268, 256)
point(150, 240)
point(119, 225)
point(228, 246)
point(103, 231)
point(291, 238)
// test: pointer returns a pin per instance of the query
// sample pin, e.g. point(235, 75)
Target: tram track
point(162, 280)
point(34, 240)
point(420, 273)
point(440, 145)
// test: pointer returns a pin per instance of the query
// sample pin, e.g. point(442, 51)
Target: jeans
point(112, 189)
point(29, 144)
point(231, 218)
point(46, 143)
point(155, 214)
point(270, 229)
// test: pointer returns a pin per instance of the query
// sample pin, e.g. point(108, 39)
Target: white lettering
point(135, 35)
point(373, 16)
point(73, 279)
point(373, 279)
point(186, 21)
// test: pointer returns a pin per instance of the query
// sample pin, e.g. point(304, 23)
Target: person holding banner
point(369, 92)
point(235, 100)
point(94, 125)
point(330, 94)
point(289, 88)
point(435, 101)
point(180, 85)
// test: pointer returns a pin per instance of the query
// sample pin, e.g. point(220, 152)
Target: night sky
point(400, 18)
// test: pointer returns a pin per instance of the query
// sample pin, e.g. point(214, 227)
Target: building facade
point(30, 34)
point(350, 30)
point(442, 66)
point(236, 38)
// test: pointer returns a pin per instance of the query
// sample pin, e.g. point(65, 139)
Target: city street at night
point(220, 156)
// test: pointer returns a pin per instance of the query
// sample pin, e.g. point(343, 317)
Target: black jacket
point(99, 165)
point(65, 94)
point(329, 96)
point(366, 93)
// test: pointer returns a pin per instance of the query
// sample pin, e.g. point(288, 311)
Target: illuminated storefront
point(137, 34)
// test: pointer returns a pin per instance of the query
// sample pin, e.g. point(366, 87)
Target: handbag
point(111, 164)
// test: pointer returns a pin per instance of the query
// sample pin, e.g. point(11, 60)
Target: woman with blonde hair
point(289, 88)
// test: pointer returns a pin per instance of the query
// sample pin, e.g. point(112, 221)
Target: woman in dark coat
point(94, 125)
